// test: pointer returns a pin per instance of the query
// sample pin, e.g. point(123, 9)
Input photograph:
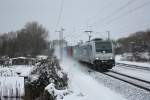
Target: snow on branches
point(46, 72)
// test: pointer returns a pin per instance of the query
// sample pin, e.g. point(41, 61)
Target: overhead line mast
point(89, 34)
point(61, 30)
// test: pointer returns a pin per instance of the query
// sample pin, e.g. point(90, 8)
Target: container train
point(98, 52)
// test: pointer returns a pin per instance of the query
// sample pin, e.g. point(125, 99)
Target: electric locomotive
point(98, 52)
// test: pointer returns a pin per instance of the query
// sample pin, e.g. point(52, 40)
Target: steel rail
point(142, 84)
point(133, 66)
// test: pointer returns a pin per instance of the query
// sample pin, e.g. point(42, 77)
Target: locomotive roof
point(97, 39)
point(93, 40)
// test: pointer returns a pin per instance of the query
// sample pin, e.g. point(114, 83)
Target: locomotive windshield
point(103, 47)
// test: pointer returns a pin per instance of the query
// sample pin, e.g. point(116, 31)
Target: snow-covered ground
point(7, 72)
point(24, 70)
point(85, 87)
point(142, 74)
point(119, 58)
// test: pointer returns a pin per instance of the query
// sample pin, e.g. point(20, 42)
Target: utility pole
point(89, 34)
point(108, 33)
point(61, 42)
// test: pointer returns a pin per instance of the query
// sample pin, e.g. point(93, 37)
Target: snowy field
point(119, 58)
point(84, 87)
point(24, 70)
point(142, 74)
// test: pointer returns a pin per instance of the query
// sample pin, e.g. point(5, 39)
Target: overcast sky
point(77, 16)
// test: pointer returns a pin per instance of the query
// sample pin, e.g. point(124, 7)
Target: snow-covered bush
point(57, 94)
point(47, 71)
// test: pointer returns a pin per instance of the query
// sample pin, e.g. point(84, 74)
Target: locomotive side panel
point(98, 53)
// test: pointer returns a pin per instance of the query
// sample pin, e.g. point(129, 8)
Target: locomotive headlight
point(111, 58)
point(97, 58)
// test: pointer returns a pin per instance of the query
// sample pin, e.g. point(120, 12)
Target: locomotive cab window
point(103, 47)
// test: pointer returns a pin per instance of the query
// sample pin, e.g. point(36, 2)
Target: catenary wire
point(116, 11)
point(128, 12)
point(97, 14)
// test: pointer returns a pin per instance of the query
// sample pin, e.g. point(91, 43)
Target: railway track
point(143, 84)
point(133, 66)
